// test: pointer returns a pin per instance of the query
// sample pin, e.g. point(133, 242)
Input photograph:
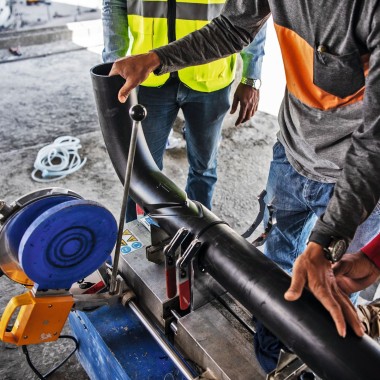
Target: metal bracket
point(159, 239)
point(90, 301)
point(5, 210)
point(290, 367)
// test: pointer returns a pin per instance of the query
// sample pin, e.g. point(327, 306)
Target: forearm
point(115, 29)
point(227, 34)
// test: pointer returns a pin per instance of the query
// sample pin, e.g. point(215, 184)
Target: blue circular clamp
point(14, 228)
point(66, 243)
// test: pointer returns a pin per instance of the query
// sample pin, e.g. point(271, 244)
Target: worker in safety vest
point(201, 92)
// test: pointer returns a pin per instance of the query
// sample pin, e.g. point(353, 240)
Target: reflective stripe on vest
point(149, 27)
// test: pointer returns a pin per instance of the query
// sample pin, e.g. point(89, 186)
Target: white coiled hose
point(57, 160)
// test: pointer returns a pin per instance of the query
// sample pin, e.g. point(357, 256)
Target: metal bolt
point(25, 336)
point(49, 306)
point(5, 210)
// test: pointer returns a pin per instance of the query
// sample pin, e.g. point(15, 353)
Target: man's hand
point(134, 69)
point(248, 97)
point(355, 272)
point(313, 270)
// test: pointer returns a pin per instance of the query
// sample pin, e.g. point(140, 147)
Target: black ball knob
point(306, 375)
point(138, 112)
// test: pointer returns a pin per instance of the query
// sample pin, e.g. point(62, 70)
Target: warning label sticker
point(129, 242)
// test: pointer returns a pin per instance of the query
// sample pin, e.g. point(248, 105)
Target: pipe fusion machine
point(182, 288)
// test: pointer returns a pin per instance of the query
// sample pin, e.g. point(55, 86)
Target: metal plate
point(214, 339)
point(146, 278)
point(115, 345)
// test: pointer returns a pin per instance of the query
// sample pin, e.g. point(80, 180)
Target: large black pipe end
point(149, 187)
point(110, 84)
point(102, 70)
point(114, 119)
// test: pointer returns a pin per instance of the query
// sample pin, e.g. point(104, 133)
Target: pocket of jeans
point(339, 75)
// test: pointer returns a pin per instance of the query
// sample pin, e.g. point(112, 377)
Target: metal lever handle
point(138, 114)
point(170, 269)
point(179, 237)
point(189, 254)
point(183, 274)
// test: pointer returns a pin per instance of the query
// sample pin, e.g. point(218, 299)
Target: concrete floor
point(40, 102)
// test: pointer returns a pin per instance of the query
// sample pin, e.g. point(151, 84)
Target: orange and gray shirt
point(330, 115)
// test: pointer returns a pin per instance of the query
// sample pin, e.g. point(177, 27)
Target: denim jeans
point(299, 201)
point(204, 114)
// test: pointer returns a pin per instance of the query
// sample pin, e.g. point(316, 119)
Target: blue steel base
point(113, 344)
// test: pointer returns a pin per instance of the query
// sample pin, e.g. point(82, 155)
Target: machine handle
point(184, 294)
point(17, 301)
point(138, 114)
point(171, 283)
point(170, 266)
point(189, 254)
point(177, 240)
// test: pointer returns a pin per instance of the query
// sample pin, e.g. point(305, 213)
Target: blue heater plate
point(66, 243)
point(113, 344)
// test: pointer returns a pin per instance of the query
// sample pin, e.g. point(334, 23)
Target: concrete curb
point(35, 36)
point(87, 33)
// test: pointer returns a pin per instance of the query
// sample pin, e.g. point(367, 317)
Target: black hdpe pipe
point(303, 326)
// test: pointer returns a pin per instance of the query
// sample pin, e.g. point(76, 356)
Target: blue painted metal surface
point(67, 242)
point(19, 223)
point(113, 344)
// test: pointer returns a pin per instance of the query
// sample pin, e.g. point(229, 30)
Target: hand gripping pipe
point(303, 326)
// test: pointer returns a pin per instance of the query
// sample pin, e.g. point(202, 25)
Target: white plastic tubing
point(57, 160)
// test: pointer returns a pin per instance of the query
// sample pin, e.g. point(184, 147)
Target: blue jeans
point(204, 114)
point(299, 201)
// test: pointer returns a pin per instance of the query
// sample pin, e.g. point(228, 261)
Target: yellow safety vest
point(155, 23)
